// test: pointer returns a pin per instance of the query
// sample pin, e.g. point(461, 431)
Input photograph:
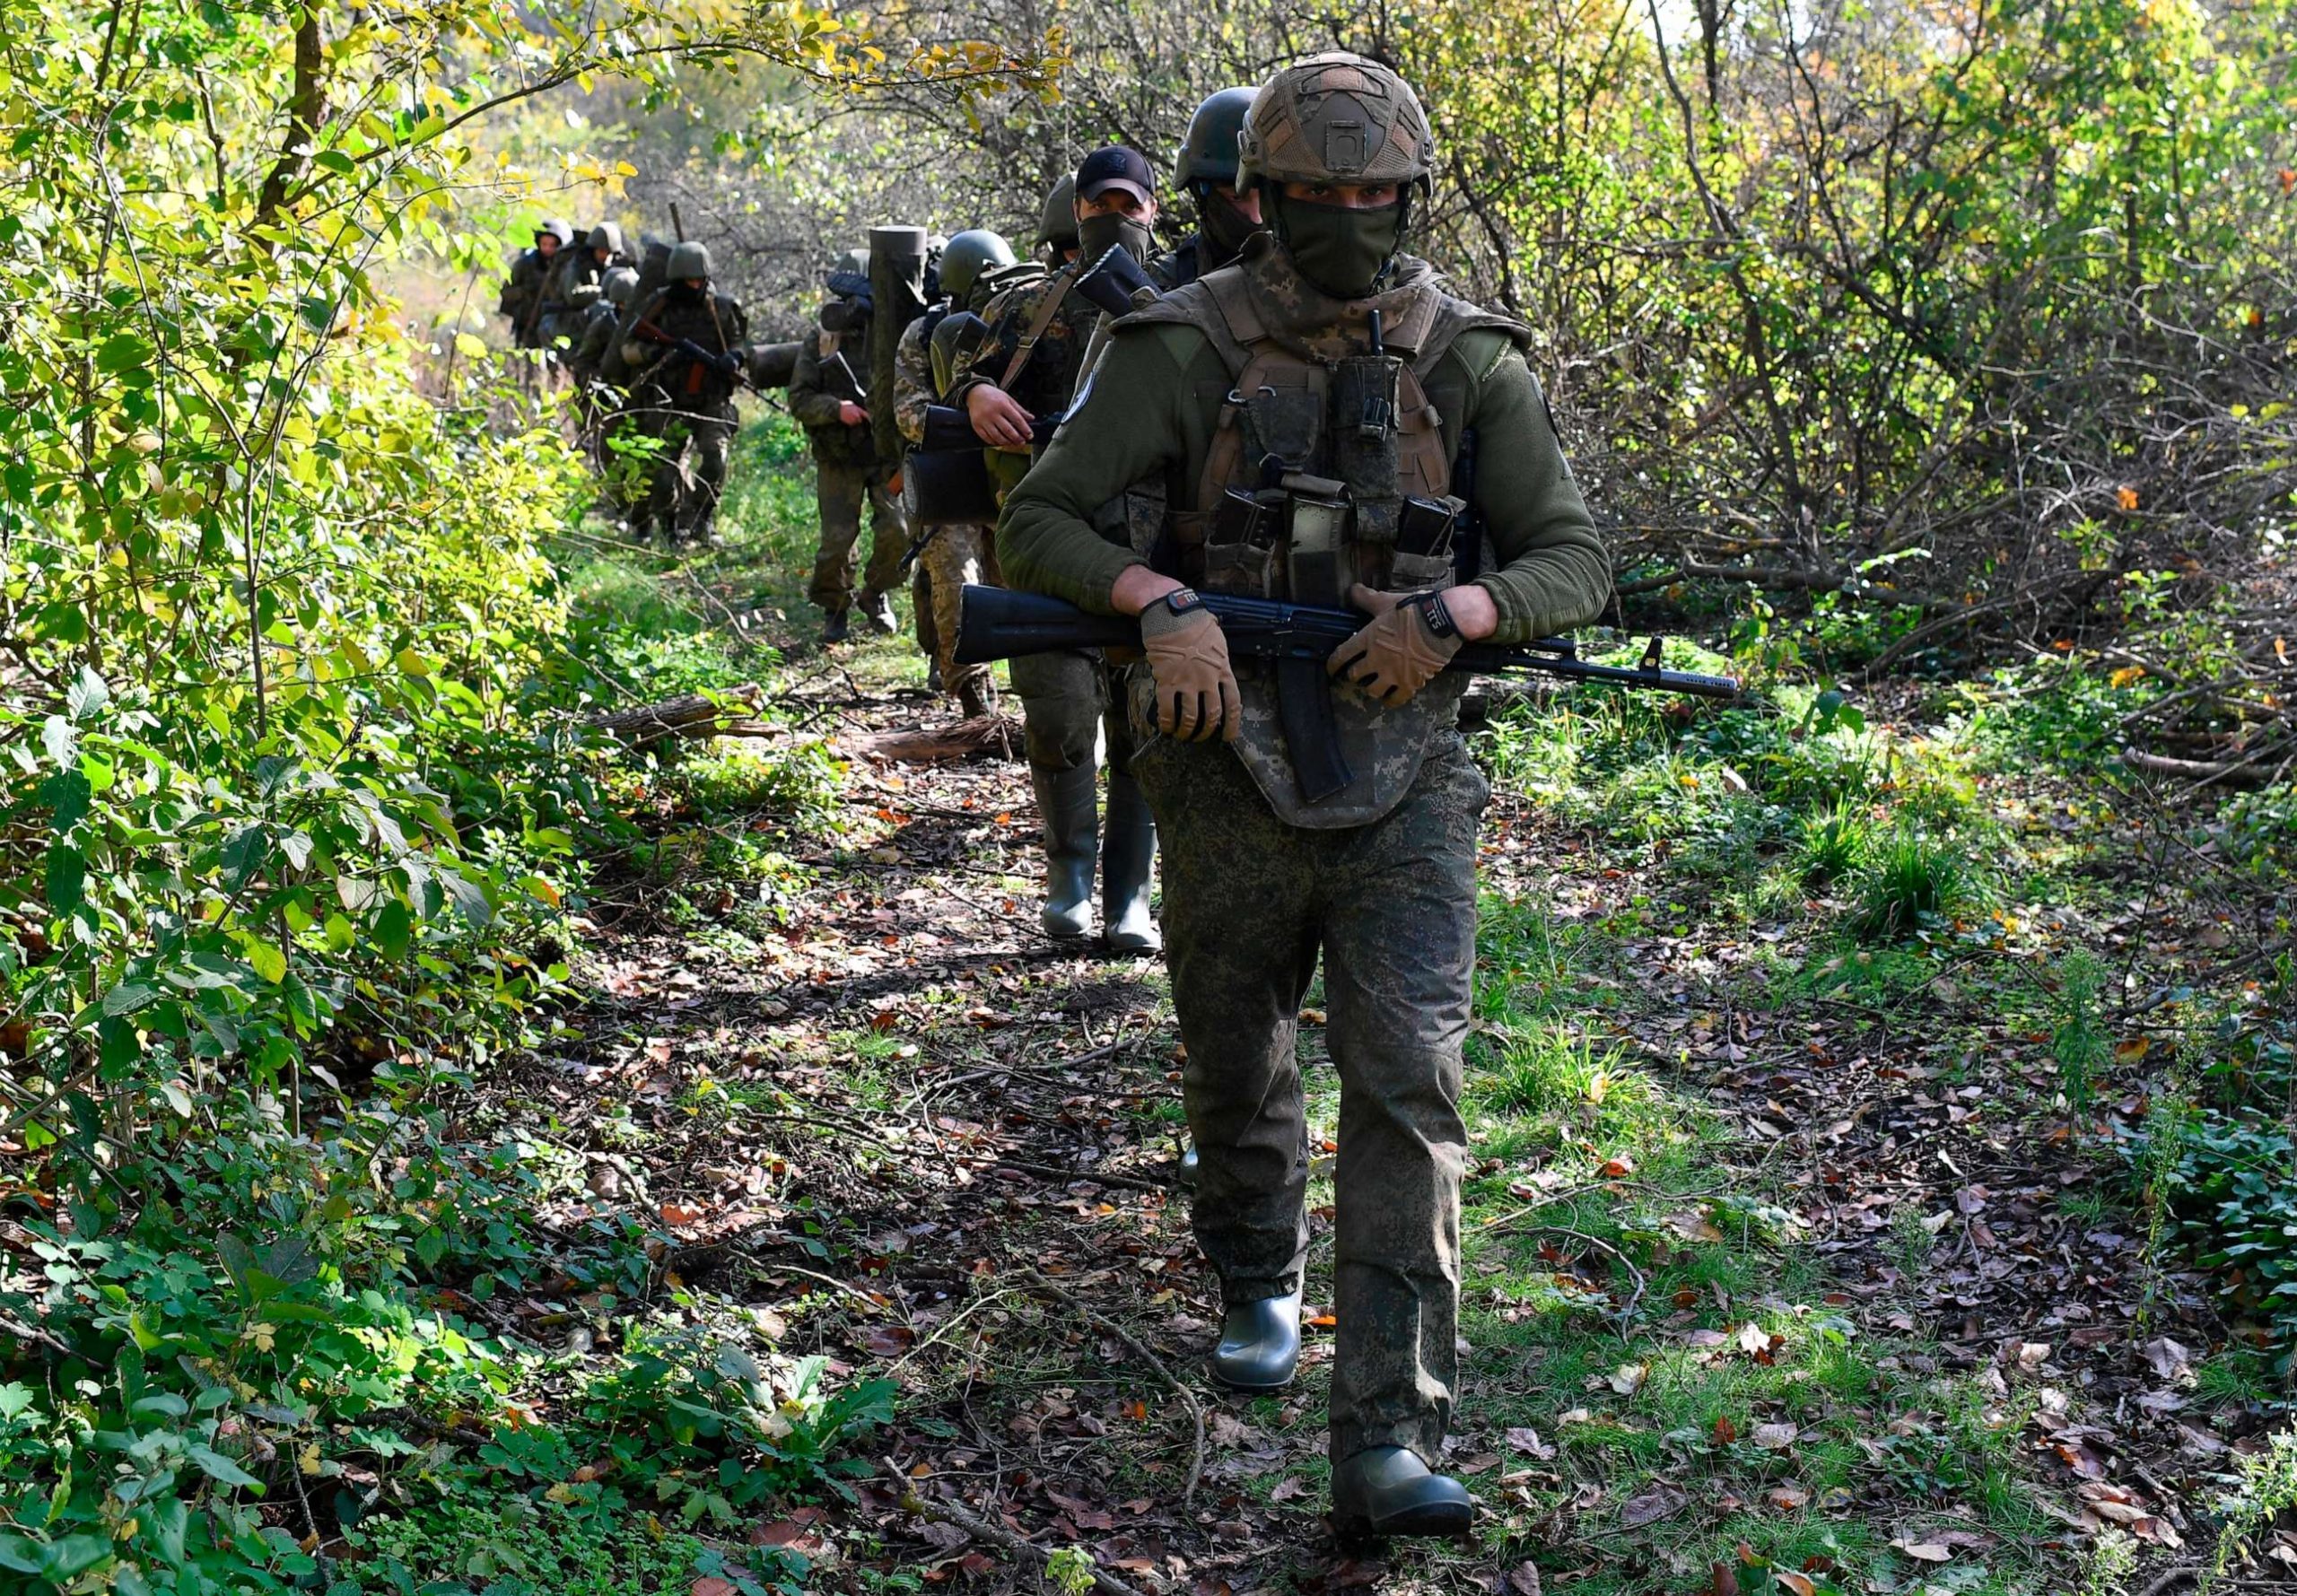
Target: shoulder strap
point(1056, 289)
point(1193, 305)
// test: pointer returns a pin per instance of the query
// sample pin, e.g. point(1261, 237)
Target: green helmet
point(689, 259)
point(1208, 152)
point(621, 286)
point(968, 256)
point(956, 337)
point(1058, 225)
point(1335, 118)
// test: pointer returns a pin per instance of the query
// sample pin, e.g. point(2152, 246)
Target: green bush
point(1911, 880)
point(1834, 844)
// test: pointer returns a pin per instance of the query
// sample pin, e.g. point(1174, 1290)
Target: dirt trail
point(917, 1137)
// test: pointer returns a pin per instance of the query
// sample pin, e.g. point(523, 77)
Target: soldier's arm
point(809, 403)
point(1545, 568)
point(1135, 420)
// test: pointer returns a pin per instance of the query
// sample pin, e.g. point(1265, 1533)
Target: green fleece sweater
point(1150, 409)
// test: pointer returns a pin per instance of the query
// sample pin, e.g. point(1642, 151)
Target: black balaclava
point(1096, 234)
point(1222, 226)
point(1343, 251)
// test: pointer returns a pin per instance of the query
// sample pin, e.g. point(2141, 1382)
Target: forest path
point(1775, 1248)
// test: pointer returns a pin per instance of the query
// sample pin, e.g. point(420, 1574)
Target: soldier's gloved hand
point(1188, 654)
point(1409, 640)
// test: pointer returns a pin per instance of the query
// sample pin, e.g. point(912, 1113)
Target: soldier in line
point(950, 556)
point(1206, 172)
point(598, 403)
point(1358, 374)
point(1027, 366)
point(828, 396)
point(578, 282)
point(527, 288)
point(685, 396)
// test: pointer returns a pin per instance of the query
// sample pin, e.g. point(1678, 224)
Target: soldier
point(1027, 366)
point(687, 399)
point(1362, 376)
point(523, 294)
point(578, 282)
point(954, 555)
point(599, 405)
point(1206, 172)
point(828, 394)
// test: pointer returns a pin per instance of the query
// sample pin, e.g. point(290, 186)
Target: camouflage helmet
point(622, 285)
point(1335, 117)
point(605, 235)
point(968, 256)
point(688, 259)
point(1208, 152)
point(1058, 226)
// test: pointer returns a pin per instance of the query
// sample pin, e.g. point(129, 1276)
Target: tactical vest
point(1327, 468)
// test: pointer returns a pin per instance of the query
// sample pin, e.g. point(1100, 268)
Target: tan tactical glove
point(1196, 687)
point(1408, 641)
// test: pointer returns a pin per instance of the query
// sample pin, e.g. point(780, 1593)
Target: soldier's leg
point(1128, 833)
point(1399, 962)
point(956, 555)
point(1240, 899)
point(921, 605)
point(888, 542)
point(838, 492)
point(669, 424)
point(1061, 715)
point(714, 439)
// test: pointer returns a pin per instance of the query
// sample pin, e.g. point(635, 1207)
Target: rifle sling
point(1047, 309)
point(1311, 735)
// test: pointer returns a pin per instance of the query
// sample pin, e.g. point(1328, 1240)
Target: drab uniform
point(952, 555)
point(687, 406)
point(1070, 701)
point(1380, 878)
point(845, 472)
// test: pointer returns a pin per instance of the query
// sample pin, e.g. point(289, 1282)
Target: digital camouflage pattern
point(1249, 904)
point(1252, 901)
point(950, 556)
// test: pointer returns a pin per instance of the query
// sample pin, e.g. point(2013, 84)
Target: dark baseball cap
point(1113, 166)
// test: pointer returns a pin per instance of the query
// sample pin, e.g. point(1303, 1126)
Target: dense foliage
point(1930, 318)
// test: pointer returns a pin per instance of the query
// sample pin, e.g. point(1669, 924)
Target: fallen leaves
point(1660, 1501)
point(1776, 1438)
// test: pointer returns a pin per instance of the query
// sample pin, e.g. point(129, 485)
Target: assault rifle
point(725, 362)
point(1000, 623)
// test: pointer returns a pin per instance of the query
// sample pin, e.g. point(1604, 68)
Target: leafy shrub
point(1910, 880)
point(1834, 844)
point(521, 1545)
point(2228, 1181)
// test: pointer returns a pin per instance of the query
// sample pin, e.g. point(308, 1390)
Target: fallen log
point(688, 715)
point(2250, 771)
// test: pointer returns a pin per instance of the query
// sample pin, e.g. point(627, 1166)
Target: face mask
point(1096, 234)
point(1225, 229)
point(1339, 251)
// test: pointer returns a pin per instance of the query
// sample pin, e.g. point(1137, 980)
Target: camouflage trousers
point(1067, 701)
point(695, 435)
point(839, 492)
point(950, 557)
point(1249, 904)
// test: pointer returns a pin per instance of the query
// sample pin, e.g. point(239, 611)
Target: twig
point(29, 1332)
point(1187, 1397)
point(2174, 1577)
point(981, 1530)
point(1634, 1298)
point(1055, 1171)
